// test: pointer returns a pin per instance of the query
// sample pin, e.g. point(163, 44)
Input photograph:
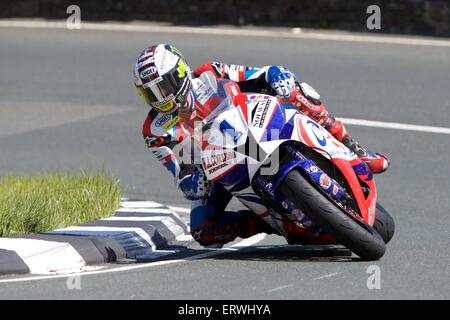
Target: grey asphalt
point(67, 102)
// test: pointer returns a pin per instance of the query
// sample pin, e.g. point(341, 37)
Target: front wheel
point(359, 237)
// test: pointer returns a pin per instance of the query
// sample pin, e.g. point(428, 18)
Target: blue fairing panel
point(275, 124)
point(237, 178)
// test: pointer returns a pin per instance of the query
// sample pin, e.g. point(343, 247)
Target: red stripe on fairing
point(302, 134)
point(244, 109)
point(239, 100)
point(363, 204)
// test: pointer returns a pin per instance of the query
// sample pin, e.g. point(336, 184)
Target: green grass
point(43, 202)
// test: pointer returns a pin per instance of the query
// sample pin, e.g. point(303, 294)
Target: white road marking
point(294, 33)
point(184, 237)
point(155, 218)
point(395, 125)
point(212, 252)
point(180, 209)
point(327, 276)
point(145, 210)
point(279, 288)
point(125, 203)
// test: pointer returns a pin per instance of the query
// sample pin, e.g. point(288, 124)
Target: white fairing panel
point(231, 130)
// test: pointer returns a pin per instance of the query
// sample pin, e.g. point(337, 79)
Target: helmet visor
point(160, 93)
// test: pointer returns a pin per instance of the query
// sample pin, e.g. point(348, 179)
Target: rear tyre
point(357, 236)
point(384, 224)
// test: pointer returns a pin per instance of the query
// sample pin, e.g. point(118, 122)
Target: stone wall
point(426, 17)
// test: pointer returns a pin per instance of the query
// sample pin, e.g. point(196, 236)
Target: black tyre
point(384, 224)
point(357, 236)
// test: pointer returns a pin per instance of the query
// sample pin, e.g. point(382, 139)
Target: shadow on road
point(290, 253)
point(287, 253)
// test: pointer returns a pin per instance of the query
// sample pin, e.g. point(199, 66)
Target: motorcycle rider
point(164, 80)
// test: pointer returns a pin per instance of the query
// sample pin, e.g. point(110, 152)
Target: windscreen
point(210, 98)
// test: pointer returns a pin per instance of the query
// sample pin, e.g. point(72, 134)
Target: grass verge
point(43, 202)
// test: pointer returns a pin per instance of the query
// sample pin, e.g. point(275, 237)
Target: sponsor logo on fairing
point(260, 113)
point(325, 181)
point(314, 169)
point(217, 161)
point(322, 141)
point(335, 190)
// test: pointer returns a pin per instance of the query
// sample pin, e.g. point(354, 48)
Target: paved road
point(67, 102)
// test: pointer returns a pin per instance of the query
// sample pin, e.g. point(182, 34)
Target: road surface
point(67, 101)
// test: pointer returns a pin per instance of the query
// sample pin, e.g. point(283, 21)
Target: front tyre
point(384, 223)
point(359, 237)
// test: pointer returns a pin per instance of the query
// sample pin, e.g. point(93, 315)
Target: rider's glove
point(194, 186)
point(281, 80)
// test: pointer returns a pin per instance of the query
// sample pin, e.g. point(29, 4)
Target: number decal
point(225, 127)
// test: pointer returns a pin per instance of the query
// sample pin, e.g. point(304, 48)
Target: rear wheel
point(384, 223)
point(356, 235)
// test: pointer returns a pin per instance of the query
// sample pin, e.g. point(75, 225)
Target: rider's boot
point(315, 109)
point(376, 162)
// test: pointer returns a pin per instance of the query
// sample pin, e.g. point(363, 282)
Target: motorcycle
point(285, 167)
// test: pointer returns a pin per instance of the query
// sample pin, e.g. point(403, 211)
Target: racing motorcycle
point(285, 167)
